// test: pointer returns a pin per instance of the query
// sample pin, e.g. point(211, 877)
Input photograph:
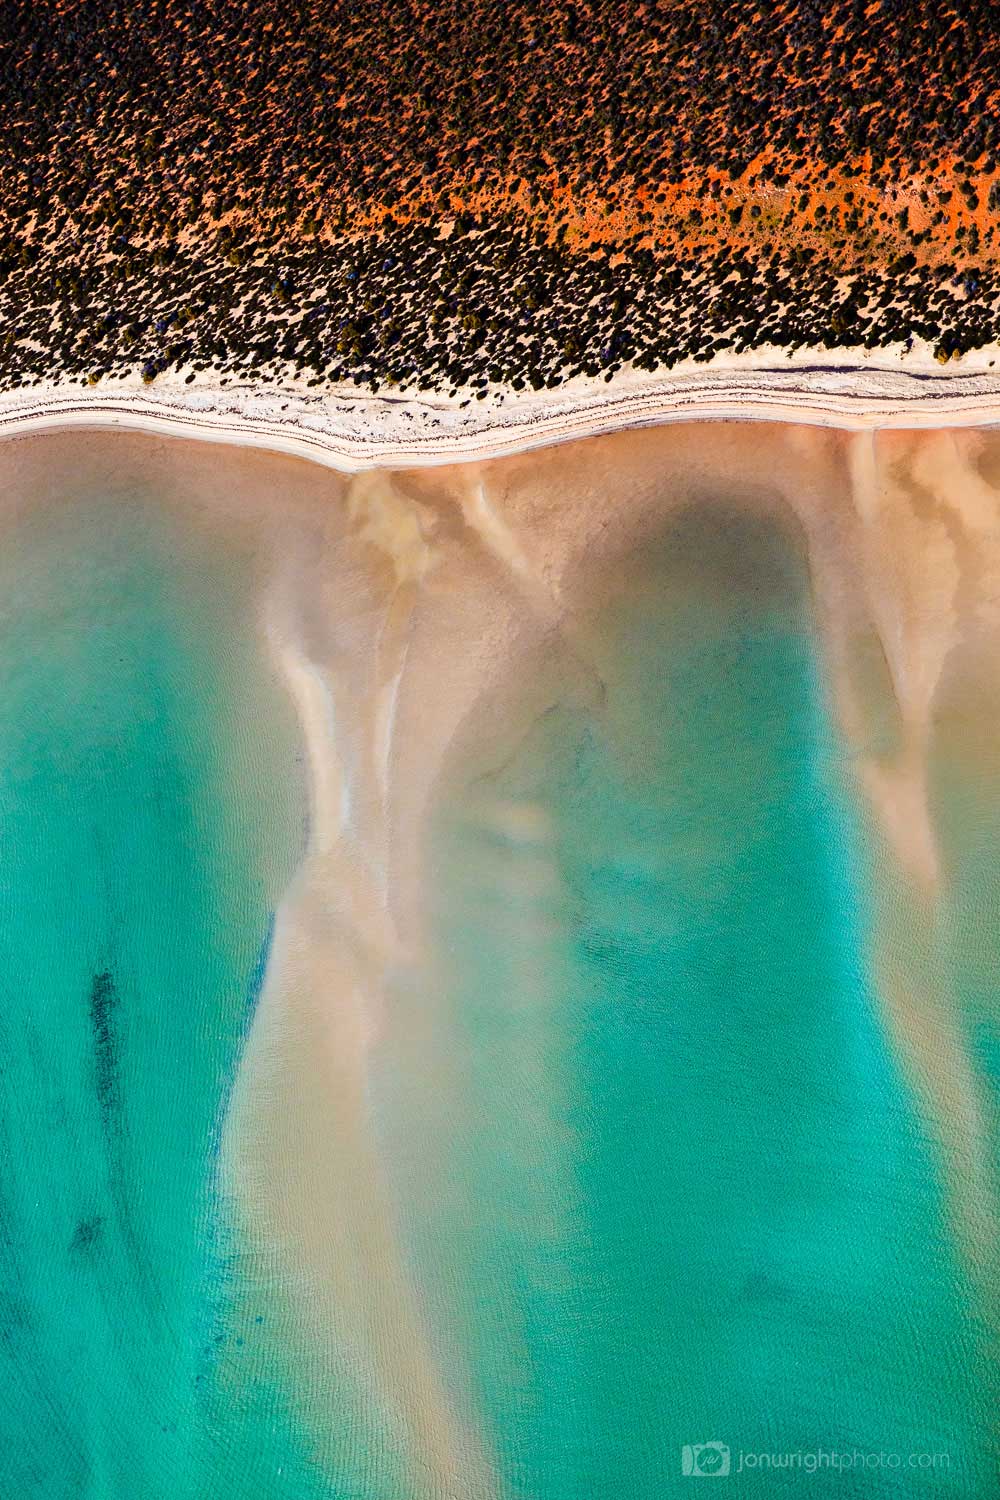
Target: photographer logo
point(705, 1460)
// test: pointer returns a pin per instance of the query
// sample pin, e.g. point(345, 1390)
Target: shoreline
point(351, 431)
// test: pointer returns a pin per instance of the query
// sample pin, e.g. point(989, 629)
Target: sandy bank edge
point(350, 431)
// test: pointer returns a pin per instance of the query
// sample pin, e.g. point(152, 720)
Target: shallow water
point(681, 1131)
point(143, 823)
point(683, 1189)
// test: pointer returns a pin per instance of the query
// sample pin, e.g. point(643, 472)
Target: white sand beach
point(352, 429)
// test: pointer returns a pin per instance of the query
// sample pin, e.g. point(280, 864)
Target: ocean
point(149, 817)
point(672, 1181)
point(687, 1205)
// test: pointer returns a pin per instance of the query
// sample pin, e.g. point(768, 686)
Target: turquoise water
point(149, 820)
point(662, 1174)
point(685, 1192)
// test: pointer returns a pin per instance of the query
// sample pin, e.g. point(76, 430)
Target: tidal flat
point(499, 968)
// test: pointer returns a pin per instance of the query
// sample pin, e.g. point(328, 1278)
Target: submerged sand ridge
point(480, 573)
point(426, 619)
